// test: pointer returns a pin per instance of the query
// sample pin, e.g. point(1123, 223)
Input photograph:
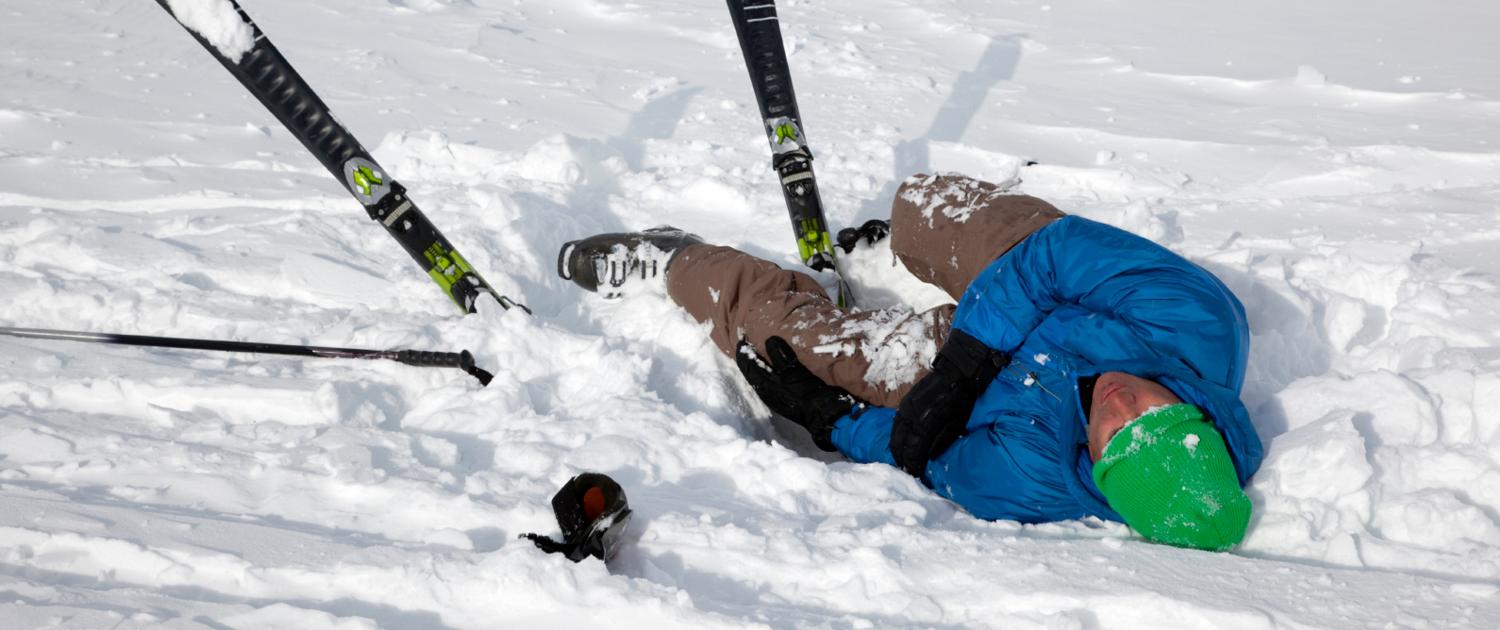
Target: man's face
point(1120, 398)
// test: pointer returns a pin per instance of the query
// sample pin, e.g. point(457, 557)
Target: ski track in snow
point(1337, 167)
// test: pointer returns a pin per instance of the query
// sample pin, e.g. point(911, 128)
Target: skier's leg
point(948, 228)
point(875, 354)
point(945, 229)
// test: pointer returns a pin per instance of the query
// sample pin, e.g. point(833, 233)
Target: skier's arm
point(980, 471)
point(1151, 292)
point(996, 474)
point(866, 439)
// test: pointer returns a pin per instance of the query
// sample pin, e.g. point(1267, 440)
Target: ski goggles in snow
point(593, 514)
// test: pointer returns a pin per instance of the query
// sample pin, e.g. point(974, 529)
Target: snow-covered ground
point(1336, 162)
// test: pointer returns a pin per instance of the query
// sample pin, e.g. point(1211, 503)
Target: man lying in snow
point(1085, 371)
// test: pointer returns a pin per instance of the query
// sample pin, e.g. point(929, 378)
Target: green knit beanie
point(1169, 475)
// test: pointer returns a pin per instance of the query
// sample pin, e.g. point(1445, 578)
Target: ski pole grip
point(420, 358)
point(461, 360)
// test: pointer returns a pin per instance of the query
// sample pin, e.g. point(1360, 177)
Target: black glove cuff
point(965, 359)
point(829, 415)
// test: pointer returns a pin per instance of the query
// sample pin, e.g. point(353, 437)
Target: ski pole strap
point(466, 363)
point(545, 543)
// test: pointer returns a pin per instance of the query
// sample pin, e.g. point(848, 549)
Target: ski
point(759, 32)
point(262, 69)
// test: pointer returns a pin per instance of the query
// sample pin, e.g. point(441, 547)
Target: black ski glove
point(934, 413)
point(793, 392)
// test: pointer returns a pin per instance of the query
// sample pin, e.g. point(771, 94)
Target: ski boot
point(615, 264)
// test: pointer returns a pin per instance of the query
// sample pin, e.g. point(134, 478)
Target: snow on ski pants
point(945, 229)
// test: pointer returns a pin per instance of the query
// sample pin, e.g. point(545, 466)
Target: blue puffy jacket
point(1076, 298)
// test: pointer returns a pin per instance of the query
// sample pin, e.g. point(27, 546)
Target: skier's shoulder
point(1073, 229)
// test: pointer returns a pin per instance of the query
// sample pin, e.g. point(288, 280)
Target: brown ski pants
point(945, 229)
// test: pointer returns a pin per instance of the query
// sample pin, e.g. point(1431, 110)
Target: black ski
point(277, 85)
point(760, 40)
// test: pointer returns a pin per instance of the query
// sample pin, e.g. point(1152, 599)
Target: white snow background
point(1337, 163)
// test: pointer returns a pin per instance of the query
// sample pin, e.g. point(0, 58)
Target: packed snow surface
point(1337, 163)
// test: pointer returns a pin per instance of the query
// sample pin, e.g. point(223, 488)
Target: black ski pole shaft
point(272, 80)
point(759, 32)
point(461, 360)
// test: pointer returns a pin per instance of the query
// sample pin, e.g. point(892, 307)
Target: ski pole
point(461, 360)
